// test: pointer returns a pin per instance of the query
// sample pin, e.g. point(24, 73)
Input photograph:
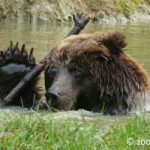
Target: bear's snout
point(61, 94)
point(52, 97)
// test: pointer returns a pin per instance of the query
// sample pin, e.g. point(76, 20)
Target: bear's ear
point(115, 42)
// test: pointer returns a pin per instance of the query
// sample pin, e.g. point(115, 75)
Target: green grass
point(27, 132)
point(127, 7)
point(147, 1)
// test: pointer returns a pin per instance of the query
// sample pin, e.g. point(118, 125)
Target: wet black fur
point(14, 64)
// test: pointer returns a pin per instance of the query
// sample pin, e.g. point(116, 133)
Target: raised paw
point(15, 55)
point(15, 63)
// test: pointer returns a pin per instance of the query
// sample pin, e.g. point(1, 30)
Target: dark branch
point(79, 24)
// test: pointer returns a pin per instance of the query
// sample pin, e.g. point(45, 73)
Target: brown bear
point(93, 72)
point(90, 72)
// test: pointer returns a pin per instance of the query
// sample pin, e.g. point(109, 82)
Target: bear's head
point(92, 71)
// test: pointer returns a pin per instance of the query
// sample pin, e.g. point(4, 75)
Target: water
point(44, 36)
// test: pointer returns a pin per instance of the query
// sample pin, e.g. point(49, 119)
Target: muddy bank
point(61, 10)
point(80, 115)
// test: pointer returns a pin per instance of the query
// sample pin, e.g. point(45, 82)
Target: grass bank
point(33, 132)
point(127, 7)
point(58, 10)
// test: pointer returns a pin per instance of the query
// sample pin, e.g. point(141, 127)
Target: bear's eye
point(75, 70)
point(52, 71)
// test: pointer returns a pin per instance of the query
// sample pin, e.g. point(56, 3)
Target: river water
point(44, 36)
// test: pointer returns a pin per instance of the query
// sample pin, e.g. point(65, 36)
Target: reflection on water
point(43, 37)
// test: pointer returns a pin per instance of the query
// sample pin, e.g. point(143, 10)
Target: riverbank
point(58, 10)
point(35, 130)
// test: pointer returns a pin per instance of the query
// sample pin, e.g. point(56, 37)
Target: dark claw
point(22, 49)
point(31, 57)
point(31, 52)
point(16, 47)
point(16, 53)
point(11, 46)
point(24, 54)
point(8, 54)
point(2, 55)
point(2, 58)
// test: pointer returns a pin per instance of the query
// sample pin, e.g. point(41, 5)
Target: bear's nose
point(52, 98)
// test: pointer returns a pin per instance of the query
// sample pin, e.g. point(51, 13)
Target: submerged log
point(79, 24)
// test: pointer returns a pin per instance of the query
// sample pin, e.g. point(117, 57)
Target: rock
point(59, 10)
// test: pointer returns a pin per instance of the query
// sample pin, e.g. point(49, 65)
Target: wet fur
point(121, 82)
point(14, 64)
point(106, 78)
